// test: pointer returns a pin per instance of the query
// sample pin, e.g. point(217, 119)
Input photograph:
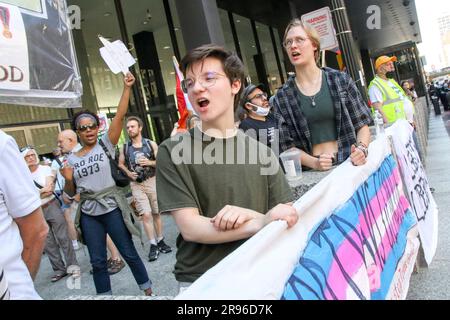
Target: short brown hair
point(232, 65)
point(137, 119)
point(310, 32)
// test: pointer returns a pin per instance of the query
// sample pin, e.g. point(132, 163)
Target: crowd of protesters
point(216, 206)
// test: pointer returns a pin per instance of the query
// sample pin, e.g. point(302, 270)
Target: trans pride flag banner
point(356, 238)
point(355, 253)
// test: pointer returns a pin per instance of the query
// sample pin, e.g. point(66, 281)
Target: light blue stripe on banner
point(309, 278)
point(397, 252)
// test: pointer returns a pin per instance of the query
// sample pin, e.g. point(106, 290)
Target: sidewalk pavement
point(433, 283)
point(429, 283)
point(122, 283)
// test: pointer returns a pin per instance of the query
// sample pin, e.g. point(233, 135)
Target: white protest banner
point(14, 67)
point(353, 240)
point(417, 187)
point(36, 34)
point(322, 21)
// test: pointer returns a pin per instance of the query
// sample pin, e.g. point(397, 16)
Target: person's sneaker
point(153, 254)
point(115, 266)
point(149, 293)
point(163, 247)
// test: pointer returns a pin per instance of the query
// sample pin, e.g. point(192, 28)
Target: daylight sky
point(428, 12)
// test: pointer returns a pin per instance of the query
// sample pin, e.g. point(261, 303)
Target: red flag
point(184, 106)
point(181, 103)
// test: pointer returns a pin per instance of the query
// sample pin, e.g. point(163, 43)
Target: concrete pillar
point(200, 23)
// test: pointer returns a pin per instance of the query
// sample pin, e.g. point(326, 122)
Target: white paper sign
point(322, 21)
point(116, 56)
point(14, 65)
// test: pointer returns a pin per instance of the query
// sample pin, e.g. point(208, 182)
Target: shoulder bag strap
point(105, 149)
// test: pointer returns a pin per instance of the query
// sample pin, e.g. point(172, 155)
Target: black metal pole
point(346, 43)
point(277, 56)
point(171, 26)
point(264, 80)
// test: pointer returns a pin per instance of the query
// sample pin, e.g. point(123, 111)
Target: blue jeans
point(94, 233)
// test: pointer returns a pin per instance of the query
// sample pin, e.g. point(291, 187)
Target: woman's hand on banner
point(357, 156)
point(284, 212)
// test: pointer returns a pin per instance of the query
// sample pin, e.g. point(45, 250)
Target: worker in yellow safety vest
point(387, 96)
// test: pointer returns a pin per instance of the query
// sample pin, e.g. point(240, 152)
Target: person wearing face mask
point(259, 123)
point(386, 95)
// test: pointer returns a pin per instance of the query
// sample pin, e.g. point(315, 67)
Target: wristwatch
point(361, 146)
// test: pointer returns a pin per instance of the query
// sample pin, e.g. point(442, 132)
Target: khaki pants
point(144, 195)
point(58, 237)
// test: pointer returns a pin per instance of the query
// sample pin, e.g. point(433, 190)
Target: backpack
point(148, 144)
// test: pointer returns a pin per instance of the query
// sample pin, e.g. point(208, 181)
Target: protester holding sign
point(319, 110)
point(103, 208)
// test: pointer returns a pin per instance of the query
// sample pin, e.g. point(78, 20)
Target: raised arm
point(115, 128)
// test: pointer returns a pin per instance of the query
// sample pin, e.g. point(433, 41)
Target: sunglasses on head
point(91, 126)
point(26, 148)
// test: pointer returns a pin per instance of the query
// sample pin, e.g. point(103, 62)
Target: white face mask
point(260, 111)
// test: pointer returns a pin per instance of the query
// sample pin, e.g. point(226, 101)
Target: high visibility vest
point(392, 101)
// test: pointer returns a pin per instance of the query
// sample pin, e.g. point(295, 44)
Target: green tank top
point(321, 117)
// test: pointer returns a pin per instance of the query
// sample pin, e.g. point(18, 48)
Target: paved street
point(160, 272)
point(429, 283)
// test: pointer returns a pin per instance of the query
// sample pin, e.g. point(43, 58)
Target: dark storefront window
point(407, 68)
point(248, 46)
point(226, 27)
point(267, 50)
point(279, 48)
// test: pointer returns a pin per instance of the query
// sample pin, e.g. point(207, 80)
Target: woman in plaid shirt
point(320, 110)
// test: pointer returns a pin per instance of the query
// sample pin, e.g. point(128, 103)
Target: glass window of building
point(149, 33)
point(226, 27)
point(177, 28)
point(247, 45)
point(267, 50)
point(279, 45)
point(101, 88)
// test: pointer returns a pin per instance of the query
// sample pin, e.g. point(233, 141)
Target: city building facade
point(158, 30)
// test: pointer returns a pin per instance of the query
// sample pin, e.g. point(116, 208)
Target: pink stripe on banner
point(348, 255)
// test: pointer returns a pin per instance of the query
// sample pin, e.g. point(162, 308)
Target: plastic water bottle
point(379, 123)
point(292, 165)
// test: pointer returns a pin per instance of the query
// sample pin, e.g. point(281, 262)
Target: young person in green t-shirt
point(220, 185)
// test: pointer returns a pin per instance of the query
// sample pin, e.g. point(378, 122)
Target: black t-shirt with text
point(264, 130)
